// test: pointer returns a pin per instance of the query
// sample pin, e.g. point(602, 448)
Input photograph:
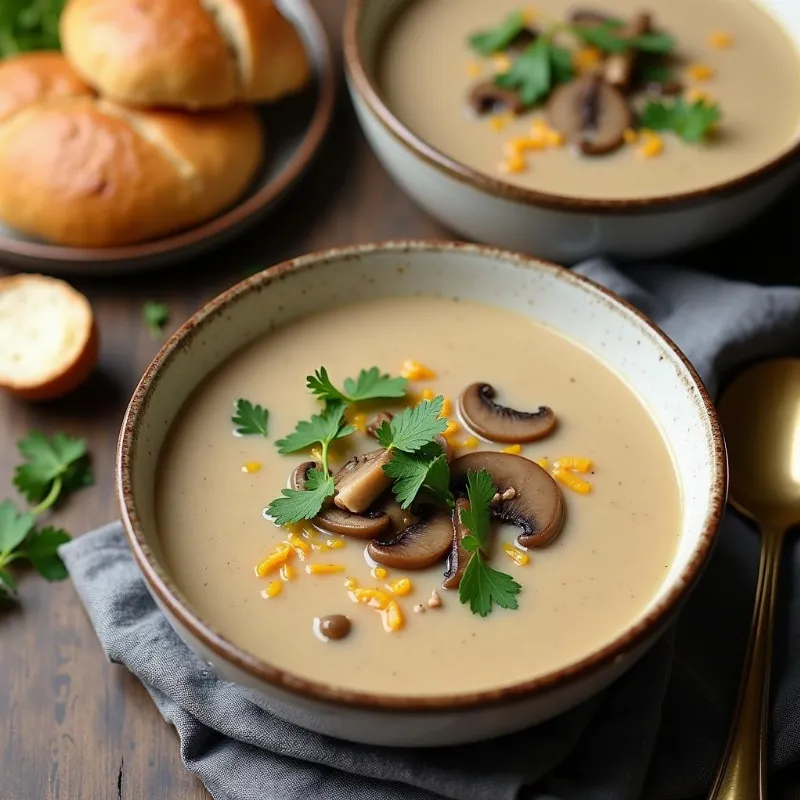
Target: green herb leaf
point(691, 121)
point(480, 491)
point(250, 419)
point(321, 429)
point(652, 71)
point(8, 586)
point(426, 470)
point(156, 316)
point(607, 37)
point(41, 550)
point(481, 586)
point(296, 506)
point(53, 466)
point(14, 527)
point(653, 43)
point(371, 384)
point(497, 39)
point(413, 428)
point(29, 25)
point(536, 72)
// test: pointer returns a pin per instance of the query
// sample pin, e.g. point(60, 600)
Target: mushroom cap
point(417, 547)
point(487, 96)
point(592, 113)
point(501, 424)
point(337, 520)
point(537, 508)
point(459, 556)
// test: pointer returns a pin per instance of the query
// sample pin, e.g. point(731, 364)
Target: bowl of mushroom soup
point(565, 130)
point(420, 534)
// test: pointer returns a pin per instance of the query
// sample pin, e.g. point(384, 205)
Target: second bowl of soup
point(420, 494)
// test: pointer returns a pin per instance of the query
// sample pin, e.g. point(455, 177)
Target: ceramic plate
point(295, 126)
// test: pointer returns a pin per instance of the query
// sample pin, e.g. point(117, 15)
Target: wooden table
point(72, 726)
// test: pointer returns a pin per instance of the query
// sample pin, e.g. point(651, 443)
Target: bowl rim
point(167, 593)
point(245, 209)
point(362, 83)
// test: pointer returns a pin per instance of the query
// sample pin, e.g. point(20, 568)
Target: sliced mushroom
point(522, 41)
point(487, 97)
point(591, 113)
point(501, 424)
point(537, 506)
point(336, 520)
point(666, 88)
point(400, 518)
point(619, 67)
point(377, 421)
point(445, 445)
point(588, 17)
point(361, 481)
point(417, 547)
point(459, 557)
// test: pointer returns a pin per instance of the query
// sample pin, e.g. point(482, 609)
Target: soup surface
point(727, 53)
point(590, 583)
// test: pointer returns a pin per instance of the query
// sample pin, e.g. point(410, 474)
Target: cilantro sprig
point(607, 36)
point(495, 40)
point(537, 71)
point(482, 586)
point(250, 419)
point(296, 505)
point(425, 471)
point(691, 121)
point(371, 384)
point(155, 316)
point(413, 428)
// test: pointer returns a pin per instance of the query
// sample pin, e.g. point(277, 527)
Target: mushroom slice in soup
point(362, 480)
point(487, 97)
point(459, 555)
point(417, 547)
point(501, 424)
point(536, 505)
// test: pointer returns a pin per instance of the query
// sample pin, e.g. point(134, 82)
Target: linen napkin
point(655, 734)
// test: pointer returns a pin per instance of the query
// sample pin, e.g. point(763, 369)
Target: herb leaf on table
point(156, 316)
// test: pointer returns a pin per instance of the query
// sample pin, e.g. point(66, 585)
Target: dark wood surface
point(73, 726)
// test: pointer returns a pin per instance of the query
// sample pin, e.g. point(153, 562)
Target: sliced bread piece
point(48, 337)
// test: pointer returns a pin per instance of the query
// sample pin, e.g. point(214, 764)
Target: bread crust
point(84, 172)
point(65, 375)
point(189, 54)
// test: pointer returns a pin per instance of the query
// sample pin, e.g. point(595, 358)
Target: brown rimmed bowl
point(592, 316)
point(562, 228)
point(295, 127)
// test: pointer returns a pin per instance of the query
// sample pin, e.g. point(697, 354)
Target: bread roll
point(48, 337)
point(184, 53)
point(80, 171)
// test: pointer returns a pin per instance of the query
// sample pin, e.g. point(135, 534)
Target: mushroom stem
point(619, 67)
point(487, 97)
point(362, 480)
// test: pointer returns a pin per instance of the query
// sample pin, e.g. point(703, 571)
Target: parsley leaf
point(427, 470)
point(413, 428)
point(250, 419)
point(496, 39)
point(42, 551)
point(321, 429)
point(156, 316)
point(653, 42)
point(53, 466)
point(296, 506)
point(370, 385)
point(537, 71)
point(691, 121)
point(481, 585)
point(14, 527)
point(655, 72)
point(609, 39)
point(27, 25)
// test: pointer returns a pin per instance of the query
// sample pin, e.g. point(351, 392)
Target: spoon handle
point(742, 773)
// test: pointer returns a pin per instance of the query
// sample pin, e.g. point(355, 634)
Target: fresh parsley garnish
point(494, 40)
point(53, 466)
point(655, 72)
point(321, 429)
point(426, 470)
point(607, 37)
point(413, 428)
point(482, 585)
point(691, 121)
point(156, 316)
point(29, 25)
point(250, 419)
point(297, 505)
point(371, 384)
point(537, 71)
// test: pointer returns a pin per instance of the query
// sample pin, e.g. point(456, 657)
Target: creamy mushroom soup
point(613, 100)
point(548, 533)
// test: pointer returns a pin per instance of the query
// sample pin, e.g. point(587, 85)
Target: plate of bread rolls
point(160, 129)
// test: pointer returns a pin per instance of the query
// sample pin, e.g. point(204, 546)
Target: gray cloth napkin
point(656, 734)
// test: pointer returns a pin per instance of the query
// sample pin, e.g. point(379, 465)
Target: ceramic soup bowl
point(561, 228)
point(607, 326)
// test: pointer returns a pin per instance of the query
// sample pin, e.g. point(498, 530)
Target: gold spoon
point(760, 414)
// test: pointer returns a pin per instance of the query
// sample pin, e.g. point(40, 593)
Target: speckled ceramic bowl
point(594, 318)
point(562, 228)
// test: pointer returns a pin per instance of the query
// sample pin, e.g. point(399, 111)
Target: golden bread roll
point(184, 53)
point(81, 171)
point(48, 337)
